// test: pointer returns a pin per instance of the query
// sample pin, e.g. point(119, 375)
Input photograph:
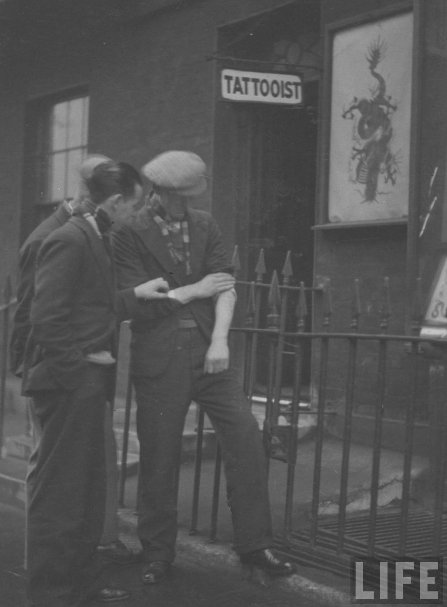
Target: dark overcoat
point(76, 307)
point(25, 286)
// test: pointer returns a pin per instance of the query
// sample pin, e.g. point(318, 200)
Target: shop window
point(56, 143)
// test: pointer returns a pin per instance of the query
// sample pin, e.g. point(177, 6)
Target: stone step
point(12, 480)
point(20, 446)
point(189, 444)
point(132, 460)
point(17, 448)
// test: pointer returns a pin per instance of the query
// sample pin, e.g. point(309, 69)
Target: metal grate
point(323, 553)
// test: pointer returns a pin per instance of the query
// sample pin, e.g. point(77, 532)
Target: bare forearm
point(217, 358)
point(224, 309)
point(183, 294)
point(210, 286)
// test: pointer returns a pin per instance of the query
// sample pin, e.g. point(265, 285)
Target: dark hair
point(109, 178)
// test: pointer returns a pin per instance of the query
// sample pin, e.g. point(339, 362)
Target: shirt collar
point(92, 221)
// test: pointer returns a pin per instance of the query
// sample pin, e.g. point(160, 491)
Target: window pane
point(74, 160)
point(57, 180)
point(74, 123)
point(85, 120)
point(58, 142)
point(59, 127)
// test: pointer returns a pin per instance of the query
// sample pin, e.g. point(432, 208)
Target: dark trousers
point(163, 402)
point(66, 490)
point(110, 532)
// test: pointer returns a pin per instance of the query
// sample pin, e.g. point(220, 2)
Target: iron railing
point(296, 360)
point(5, 311)
point(274, 340)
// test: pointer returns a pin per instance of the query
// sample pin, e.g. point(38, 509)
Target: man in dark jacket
point(68, 371)
point(185, 357)
point(25, 283)
point(110, 548)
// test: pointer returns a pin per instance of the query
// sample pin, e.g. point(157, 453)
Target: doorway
point(281, 188)
point(277, 147)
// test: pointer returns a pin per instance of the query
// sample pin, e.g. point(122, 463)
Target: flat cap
point(178, 171)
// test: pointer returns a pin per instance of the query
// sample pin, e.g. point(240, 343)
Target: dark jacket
point(25, 286)
point(141, 253)
point(75, 308)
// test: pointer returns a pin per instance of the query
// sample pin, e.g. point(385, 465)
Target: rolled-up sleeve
point(216, 256)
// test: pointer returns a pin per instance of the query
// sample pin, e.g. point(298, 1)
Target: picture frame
point(368, 135)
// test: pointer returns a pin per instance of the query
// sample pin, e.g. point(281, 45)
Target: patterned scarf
point(170, 228)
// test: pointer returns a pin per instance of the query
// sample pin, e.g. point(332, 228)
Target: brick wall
point(150, 83)
point(152, 88)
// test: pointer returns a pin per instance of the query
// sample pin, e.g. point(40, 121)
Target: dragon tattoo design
point(371, 155)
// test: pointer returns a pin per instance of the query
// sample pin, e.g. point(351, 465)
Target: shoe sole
point(111, 600)
point(153, 582)
point(252, 568)
point(117, 600)
point(123, 563)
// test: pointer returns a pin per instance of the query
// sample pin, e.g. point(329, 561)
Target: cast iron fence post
point(7, 291)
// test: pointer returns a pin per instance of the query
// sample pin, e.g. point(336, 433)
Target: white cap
point(182, 172)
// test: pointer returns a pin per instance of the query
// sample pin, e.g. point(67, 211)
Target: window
point(67, 145)
point(56, 137)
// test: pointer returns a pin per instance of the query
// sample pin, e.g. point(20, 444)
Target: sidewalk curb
point(221, 556)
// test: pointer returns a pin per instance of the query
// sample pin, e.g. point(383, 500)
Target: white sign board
point(436, 313)
point(260, 87)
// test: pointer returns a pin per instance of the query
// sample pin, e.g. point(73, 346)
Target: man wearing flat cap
point(185, 357)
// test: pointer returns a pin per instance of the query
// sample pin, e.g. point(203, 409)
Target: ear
point(115, 200)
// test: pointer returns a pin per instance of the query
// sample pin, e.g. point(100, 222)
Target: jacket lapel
point(154, 241)
point(102, 259)
point(152, 238)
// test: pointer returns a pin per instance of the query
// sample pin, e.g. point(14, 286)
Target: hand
point(213, 284)
point(152, 289)
point(217, 358)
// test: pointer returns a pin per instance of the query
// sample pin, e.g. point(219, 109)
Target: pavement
point(198, 578)
point(206, 572)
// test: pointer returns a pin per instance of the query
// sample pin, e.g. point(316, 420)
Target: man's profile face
point(127, 206)
point(173, 203)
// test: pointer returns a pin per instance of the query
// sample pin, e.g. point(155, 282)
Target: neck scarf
point(170, 227)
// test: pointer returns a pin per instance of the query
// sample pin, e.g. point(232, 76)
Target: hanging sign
point(261, 87)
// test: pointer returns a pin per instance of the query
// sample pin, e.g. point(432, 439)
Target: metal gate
point(341, 380)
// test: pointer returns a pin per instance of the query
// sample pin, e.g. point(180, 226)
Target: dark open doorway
point(266, 167)
point(282, 188)
point(264, 172)
point(281, 203)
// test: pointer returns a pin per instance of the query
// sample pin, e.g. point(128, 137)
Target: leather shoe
point(155, 572)
point(268, 561)
point(118, 552)
point(109, 595)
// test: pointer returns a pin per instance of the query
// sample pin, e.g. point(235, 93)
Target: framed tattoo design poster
point(370, 120)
